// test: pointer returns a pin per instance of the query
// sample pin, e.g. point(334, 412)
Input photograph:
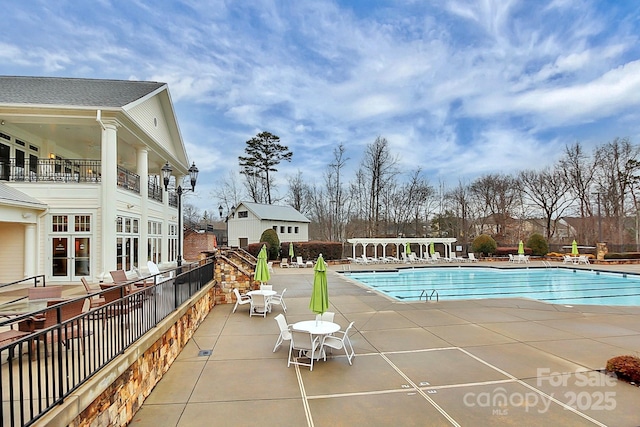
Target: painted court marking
point(423, 389)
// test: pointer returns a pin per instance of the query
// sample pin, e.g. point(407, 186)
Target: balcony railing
point(60, 170)
point(128, 180)
point(76, 170)
point(44, 367)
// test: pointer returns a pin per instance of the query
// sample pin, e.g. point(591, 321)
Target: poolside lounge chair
point(259, 305)
point(305, 342)
point(583, 259)
point(278, 299)
point(472, 257)
point(285, 331)
point(327, 316)
point(340, 341)
point(240, 299)
point(511, 258)
point(284, 263)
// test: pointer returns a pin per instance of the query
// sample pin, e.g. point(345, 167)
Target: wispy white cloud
point(458, 88)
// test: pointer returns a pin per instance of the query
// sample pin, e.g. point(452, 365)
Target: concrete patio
point(498, 362)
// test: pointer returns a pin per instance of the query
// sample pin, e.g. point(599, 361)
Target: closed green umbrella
point(432, 248)
point(521, 248)
point(262, 268)
point(407, 249)
point(320, 294)
point(292, 254)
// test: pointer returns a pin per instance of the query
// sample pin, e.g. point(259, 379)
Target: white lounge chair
point(259, 305)
point(278, 299)
point(340, 341)
point(284, 263)
point(240, 299)
point(285, 332)
point(305, 342)
point(327, 316)
point(583, 259)
point(472, 257)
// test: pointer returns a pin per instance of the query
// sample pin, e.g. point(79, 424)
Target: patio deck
point(497, 362)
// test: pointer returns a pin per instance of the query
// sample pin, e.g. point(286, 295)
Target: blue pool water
point(553, 285)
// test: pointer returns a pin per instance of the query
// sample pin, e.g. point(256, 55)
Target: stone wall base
point(113, 395)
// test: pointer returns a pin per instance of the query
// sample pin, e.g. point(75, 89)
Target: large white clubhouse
point(81, 189)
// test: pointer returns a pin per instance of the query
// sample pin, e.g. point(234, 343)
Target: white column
point(143, 172)
point(30, 245)
point(109, 185)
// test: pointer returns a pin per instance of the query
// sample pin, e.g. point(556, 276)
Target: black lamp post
point(220, 211)
point(166, 174)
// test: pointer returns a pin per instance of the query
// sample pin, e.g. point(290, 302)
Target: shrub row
point(311, 250)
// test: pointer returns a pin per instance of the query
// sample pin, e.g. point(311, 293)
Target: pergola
point(423, 243)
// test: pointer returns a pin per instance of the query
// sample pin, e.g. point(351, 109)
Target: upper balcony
point(77, 171)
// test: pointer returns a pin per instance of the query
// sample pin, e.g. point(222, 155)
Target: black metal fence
point(42, 368)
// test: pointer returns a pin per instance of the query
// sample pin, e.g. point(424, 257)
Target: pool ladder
point(428, 295)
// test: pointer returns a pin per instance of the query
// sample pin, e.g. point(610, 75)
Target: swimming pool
point(553, 285)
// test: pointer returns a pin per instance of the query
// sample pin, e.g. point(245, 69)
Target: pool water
point(553, 285)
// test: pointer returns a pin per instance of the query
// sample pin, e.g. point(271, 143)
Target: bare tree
point(335, 191)
point(229, 193)
point(460, 203)
point(547, 190)
point(497, 195)
point(379, 168)
point(617, 166)
point(579, 171)
point(298, 195)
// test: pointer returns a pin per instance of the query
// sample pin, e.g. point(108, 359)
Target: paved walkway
point(497, 362)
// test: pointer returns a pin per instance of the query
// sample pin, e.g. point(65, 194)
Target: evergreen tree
point(264, 152)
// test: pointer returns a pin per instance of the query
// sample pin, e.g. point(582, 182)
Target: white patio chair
point(259, 305)
point(240, 299)
point(305, 342)
point(285, 331)
point(154, 270)
point(327, 316)
point(270, 266)
point(300, 263)
point(340, 341)
point(278, 299)
point(284, 263)
point(264, 287)
point(472, 257)
point(583, 259)
point(511, 258)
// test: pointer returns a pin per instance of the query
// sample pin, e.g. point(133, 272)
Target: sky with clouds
point(459, 88)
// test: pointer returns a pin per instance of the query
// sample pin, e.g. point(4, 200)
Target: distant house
point(247, 222)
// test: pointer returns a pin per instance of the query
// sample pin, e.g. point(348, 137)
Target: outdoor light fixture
point(220, 210)
point(166, 176)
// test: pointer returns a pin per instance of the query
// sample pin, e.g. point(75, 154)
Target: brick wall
point(196, 243)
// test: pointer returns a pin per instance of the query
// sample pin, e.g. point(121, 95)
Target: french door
point(71, 257)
